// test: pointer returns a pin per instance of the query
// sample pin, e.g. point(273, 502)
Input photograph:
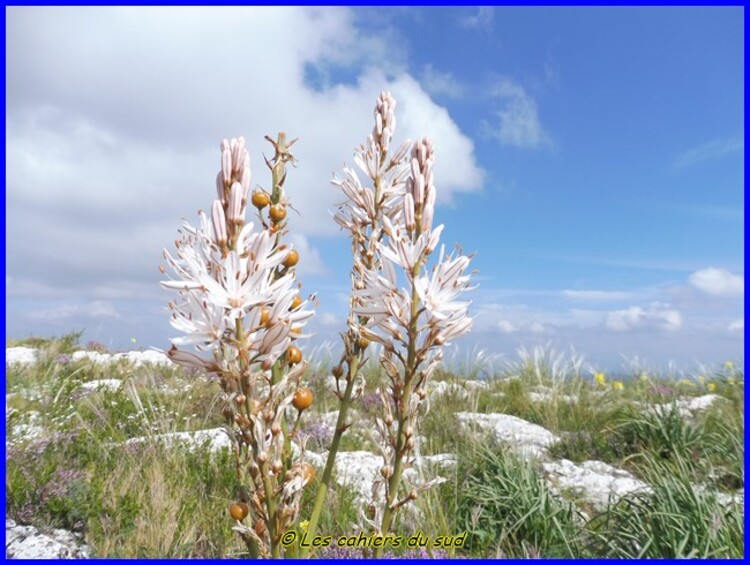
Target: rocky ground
point(594, 483)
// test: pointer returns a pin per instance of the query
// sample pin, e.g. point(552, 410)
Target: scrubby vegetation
point(72, 462)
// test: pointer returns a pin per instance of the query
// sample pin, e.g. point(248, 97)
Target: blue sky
point(593, 158)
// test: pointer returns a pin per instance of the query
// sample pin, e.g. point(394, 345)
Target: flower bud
point(236, 211)
point(245, 178)
point(219, 223)
point(226, 165)
point(238, 155)
point(220, 188)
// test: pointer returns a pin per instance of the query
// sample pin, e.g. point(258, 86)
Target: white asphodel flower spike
point(219, 286)
point(411, 323)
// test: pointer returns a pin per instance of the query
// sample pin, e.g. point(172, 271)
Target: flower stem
point(402, 409)
point(328, 471)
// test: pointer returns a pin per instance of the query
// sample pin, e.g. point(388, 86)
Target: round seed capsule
point(260, 199)
point(293, 355)
point(277, 212)
point(239, 511)
point(292, 258)
point(303, 399)
point(308, 473)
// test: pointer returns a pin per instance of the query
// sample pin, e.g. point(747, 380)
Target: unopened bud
point(277, 467)
point(226, 164)
point(386, 471)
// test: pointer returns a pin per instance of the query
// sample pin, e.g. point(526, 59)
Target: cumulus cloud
point(655, 316)
point(518, 121)
point(113, 135)
point(718, 282)
point(505, 327)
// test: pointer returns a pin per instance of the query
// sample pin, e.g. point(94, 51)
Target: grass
point(154, 500)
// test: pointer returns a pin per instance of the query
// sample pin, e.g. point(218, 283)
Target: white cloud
point(718, 282)
point(539, 328)
point(596, 295)
point(64, 312)
point(655, 316)
point(440, 83)
point(708, 151)
point(737, 326)
point(109, 147)
point(505, 327)
point(483, 19)
point(519, 123)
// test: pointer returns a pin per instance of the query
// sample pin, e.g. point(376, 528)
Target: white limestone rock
point(26, 542)
point(593, 482)
point(687, 407)
point(216, 438)
point(20, 356)
point(529, 440)
point(137, 358)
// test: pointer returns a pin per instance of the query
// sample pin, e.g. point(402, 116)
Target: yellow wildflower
point(600, 379)
point(731, 381)
point(701, 379)
point(618, 385)
point(643, 378)
point(686, 382)
point(711, 387)
point(304, 523)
